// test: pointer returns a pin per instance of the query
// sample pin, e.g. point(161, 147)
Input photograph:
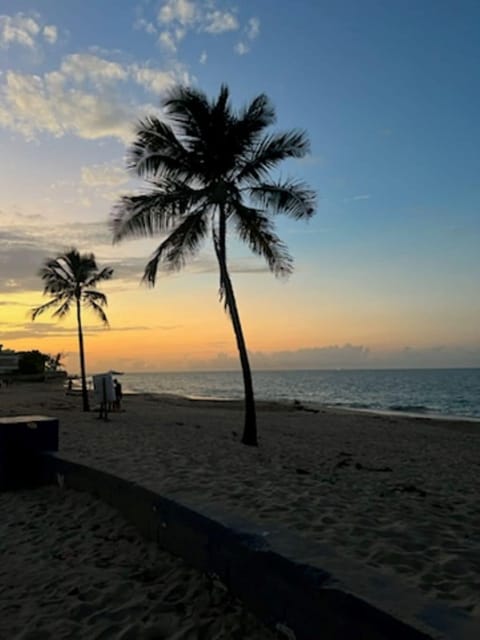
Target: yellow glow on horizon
point(181, 324)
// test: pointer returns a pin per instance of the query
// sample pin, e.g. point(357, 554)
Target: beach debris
point(302, 472)
point(216, 581)
point(409, 488)
point(285, 631)
point(300, 407)
point(347, 461)
point(362, 467)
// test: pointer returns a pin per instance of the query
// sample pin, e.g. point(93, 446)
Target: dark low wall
point(272, 574)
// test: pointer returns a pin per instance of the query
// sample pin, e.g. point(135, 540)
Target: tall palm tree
point(72, 278)
point(208, 168)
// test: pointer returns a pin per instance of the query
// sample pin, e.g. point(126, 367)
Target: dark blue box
point(22, 438)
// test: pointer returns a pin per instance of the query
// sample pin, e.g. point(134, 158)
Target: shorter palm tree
point(72, 278)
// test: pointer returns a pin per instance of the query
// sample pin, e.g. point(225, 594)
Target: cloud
point(20, 260)
point(26, 31)
point(241, 48)
point(365, 196)
point(50, 33)
point(251, 31)
point(25, 247)
point(157, 80)
point(55, 329)
point(166, 39)
point(99, 175)
point(32, 104)
point(176, 18)
point(83, 97)
point(203, 57)
point(11, 303)
point(144, 25)
point(308, 358)
point(350, 356)
point(253, 28)
point(83, 67)
point(220, 21)
point(182, 11)
point(18, 29)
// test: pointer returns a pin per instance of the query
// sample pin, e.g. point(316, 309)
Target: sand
point(396, 493)
point(71, 567)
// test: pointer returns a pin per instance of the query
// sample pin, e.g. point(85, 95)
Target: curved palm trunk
point(250, 427)
point(86, 405)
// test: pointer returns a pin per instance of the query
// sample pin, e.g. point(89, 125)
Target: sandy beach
point(397, 493)
point(71, 567)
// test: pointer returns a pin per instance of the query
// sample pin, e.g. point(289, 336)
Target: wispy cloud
point(251, 31)
point(350, 356)
point(26, 31)
point(100, 175)
point(175, 19)
point(54, 329)
point(84, 97)
point(50, 33)
point(364, 196)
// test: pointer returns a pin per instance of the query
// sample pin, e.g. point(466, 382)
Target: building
point(8, 360)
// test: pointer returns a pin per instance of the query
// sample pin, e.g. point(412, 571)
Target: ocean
point(425, 392)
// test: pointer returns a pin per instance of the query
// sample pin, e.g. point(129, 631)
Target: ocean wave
point(353, 405)
point(410, 408)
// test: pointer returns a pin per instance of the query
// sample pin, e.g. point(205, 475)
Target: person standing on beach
point(118, 394)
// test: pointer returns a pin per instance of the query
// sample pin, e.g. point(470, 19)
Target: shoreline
point(313, 407)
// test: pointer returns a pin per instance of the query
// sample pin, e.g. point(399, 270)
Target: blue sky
point(389, 94)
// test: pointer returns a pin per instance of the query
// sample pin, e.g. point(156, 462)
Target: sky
point(386, 273)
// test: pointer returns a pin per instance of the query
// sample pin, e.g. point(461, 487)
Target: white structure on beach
point(8, 360)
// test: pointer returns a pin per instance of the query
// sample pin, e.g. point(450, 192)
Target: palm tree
point(72, 278)
point(208, 168)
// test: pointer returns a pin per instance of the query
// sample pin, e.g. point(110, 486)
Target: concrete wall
point(275, 574)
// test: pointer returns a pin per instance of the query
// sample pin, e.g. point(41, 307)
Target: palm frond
point(97, 296)
point(181, 244)
point(258, 115)
point(189, 109)
point(157, 152)
point(290, 197)
point(104, 274)
point(154, 212)
point(38, 311)
point(97, 309)
point(257, 231)
point(251, 122)
point(55, 275)
point(271, 151)
point(143, 215)
point(63, 309)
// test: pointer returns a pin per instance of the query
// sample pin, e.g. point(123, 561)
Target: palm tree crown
point(71, 279)
point(208, 168)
